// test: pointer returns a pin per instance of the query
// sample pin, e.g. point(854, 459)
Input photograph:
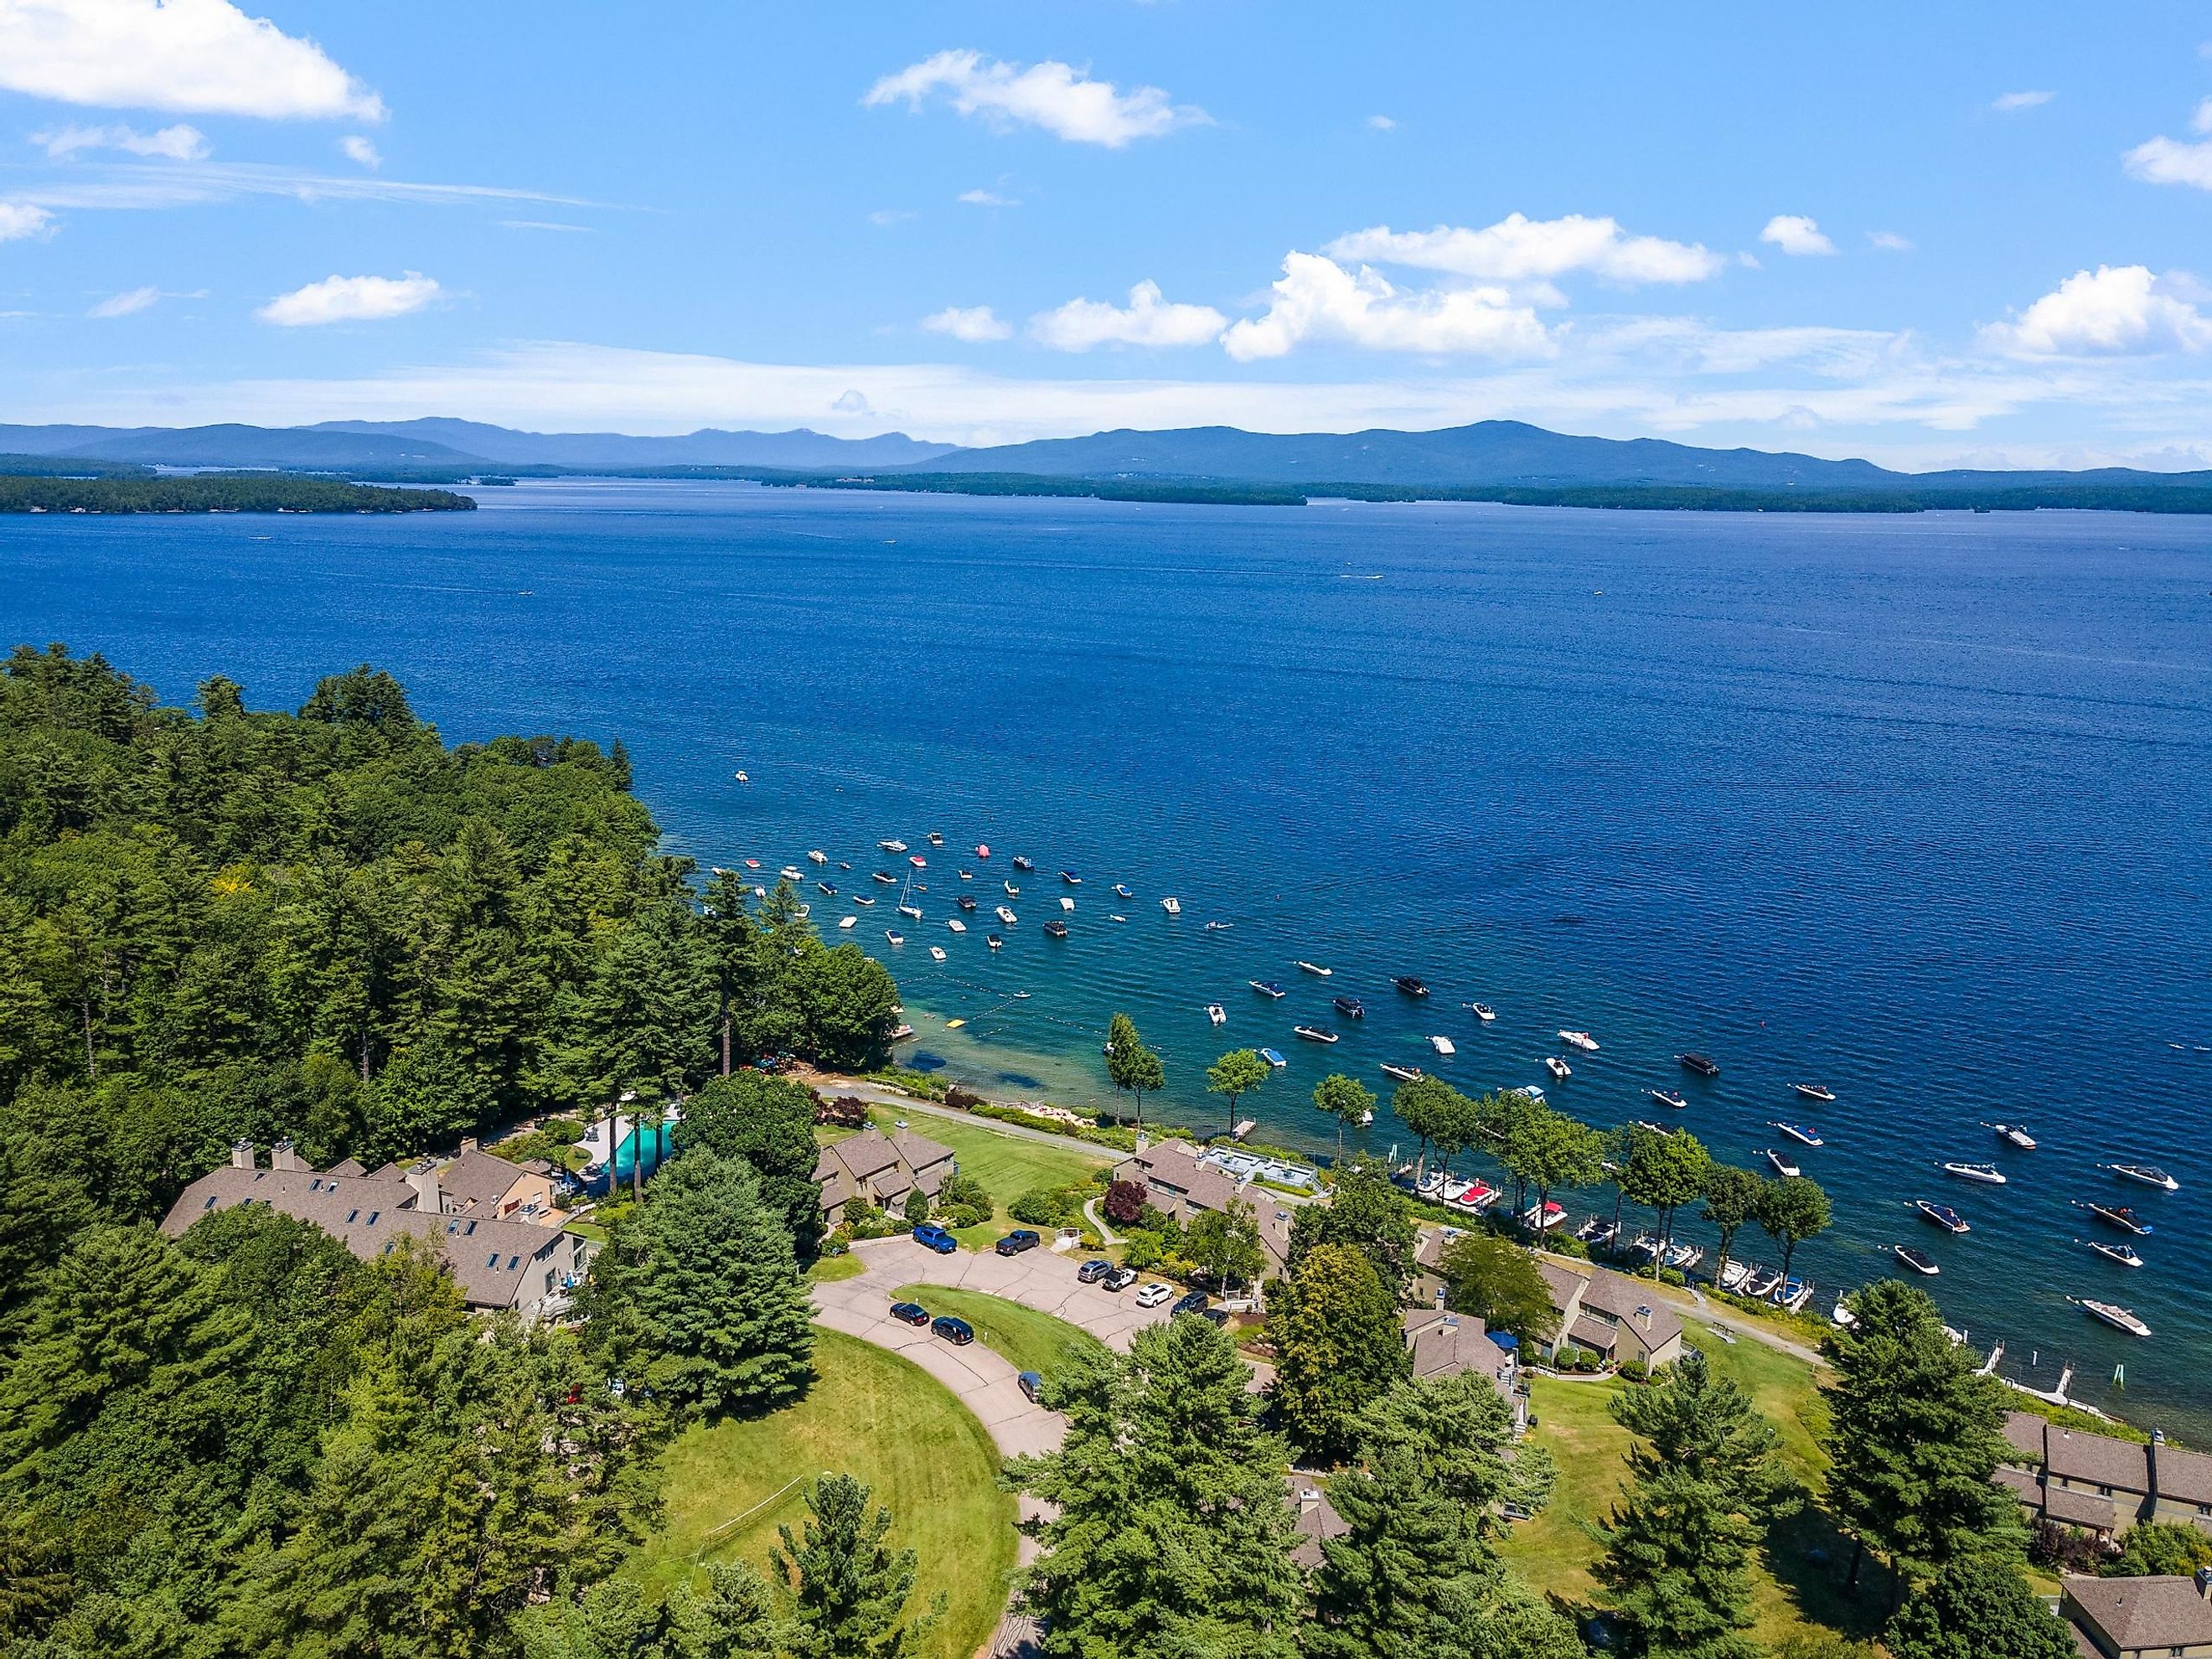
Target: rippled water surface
point(1918, 808)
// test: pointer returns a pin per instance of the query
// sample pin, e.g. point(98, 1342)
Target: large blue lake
point(1917, 808)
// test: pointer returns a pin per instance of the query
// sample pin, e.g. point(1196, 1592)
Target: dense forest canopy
point(39, 488)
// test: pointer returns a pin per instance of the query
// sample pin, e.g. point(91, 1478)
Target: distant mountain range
point(1501, 454)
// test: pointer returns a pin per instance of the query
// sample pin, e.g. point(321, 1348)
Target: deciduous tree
point(1977, 1608)
point(1236, 1073)
point(1346, 1100)
point(1338, 1344)
point(1498, 1282)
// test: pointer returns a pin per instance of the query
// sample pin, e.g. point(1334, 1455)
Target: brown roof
point(476, 1179)
point(1563, 1283)
point(1635, 1305)
point(2184, 1477)
point(2079, 1509)
point(1316, 1520)
point(1446, 1344)
point(2023, 1432)
point(2023, 1484)
point(865, 1153)
point(2136, 1614)
point(2097, 1459)
point(346, 1167)
point(919, 1152)
point(492, 1260)
point(1198, 1184)
point(1594, 1334)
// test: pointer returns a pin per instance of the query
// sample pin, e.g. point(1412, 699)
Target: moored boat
point(847, 921)
point(2014, 1134)
point(1305, 967)
point(1814, 1090)
point(2112, 1314)
point(817, 857)
point(792, 873)
point(1542, 1217)
point(1482, 1011)
point(1021, 863)
point(1267, 987)
point(937, 953)
point(2124, 1254)
point(900, 1033)
point(1273, 1058)
point(1919, 1260)
point(1055, 929)
point(892, 846)
point(1804, 1133)
point(2143, 1174)
point(1581, 1040)
point(1122, 889)
point(1219, 926)
point(937, 838)
point(1699, 1064)
point(826, 888)
point(1411, 986)
point(1400, 1073)
point(2119, 1215)
point(861, 898)
point(1071, 879)
point(1217, 1013)
point(913, 910)
point(1443, 1045)
point(1987, 1175)
point(1669, 1098)
point(1314, 1033)
point(993, 940)
point(1352, 1007)
point(1172, 906)
point(1067, 903)
point(1004, 915)
point(1782, 1166)
point(981, 850)
point(966, 901)
point(886, 877)
point(1941, 1214)
point(956, 924)
point(893, 936)
point(1558, 1067)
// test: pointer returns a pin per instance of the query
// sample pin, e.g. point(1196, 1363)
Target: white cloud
point(974, 324)
point(1148, 320)
point(546, 224)
point(2011, 101)
point(986, 199)
point(20, 220)
point(1521, 249)
point(850, 403)
point(2163, 160)
point(884, 216)
point(1381, 123)
point(1889, 241)
point(1318, 300)
point(1058, 97)
point(358, 149)
point(190, 55)
point(1795, 235)
point(2116, 310)
point(180, 142)
point(127, 304)
point(349, 300)
point(134, 186)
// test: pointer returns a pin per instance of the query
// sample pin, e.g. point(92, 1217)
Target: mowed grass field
point(881, 1420)
point(1794, 1593)
point(1007, 1165)
point(1025, 1338)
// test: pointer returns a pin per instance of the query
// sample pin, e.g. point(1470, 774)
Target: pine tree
point(1339, 1344)
point(1977, 1608)
point(699, 1284)
point(769, 1122)
point(735, 1616)
point(1678, 1549)
point(849, 1587)
point(1171, 1533)
point(1367, 1211)
point(1914, 1435)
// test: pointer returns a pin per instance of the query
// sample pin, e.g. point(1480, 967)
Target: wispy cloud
point(1797, 235)
point(1057, 97)
point(1381, 123)
point(1521, 249)
point(360, 149)
point(351, 300)
point(986, 199)
point(2012, 102)
point(884, 217)
point(127, 304)
point(974, 324)
point(1889, 241)
point(2165, 161)
point(546, 224)
point(185, 55)
point(129, 185)
point(180, 142)
point(21, 221)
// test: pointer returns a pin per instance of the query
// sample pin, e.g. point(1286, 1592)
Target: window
point(492, 1260)
point(210, 1205)
point(373, 1214)
point(472, 1228)
point(351, 1216)
point(512, 1262)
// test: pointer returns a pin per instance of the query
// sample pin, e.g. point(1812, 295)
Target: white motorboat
point(1804, 1133)
point(2014, 1134)
point(1012, 891)
point(792, 873)
point(1782, 1166)
point(2124, 1254)
point(1558, 1067)
point(1305, 967)
point(1314, 1033)
point(2114, 1315)
point(1006, 915)
point(1919, 1260)
point(1443, 1045)
point(1172, 906)
point(900, 1033)
point(818, 857)
point(2143, 1174)
point(1814, 1091)
point(1483, 1012)
point(1273, 1059)
point(1987, 1175)
point(956, 924)
point(1399, 1073)
point(936, 953)
point(1217, 1013)
point(892, 846)
point(1581, 1040)
point(1668, 1097)
point(893, 936)
point(993, 940)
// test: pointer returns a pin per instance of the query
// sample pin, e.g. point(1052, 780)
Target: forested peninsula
point(221, 492)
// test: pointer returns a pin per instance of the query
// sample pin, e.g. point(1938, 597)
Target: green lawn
point(1028, 1340)
point(882, 1419)
point(1555, 1551)
point(829, 1268)
point(1008, 1165)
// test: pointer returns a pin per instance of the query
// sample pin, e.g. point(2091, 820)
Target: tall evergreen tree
point(849, 1587)
point(1339, 1344)
point(769, 1122)
point(734, 1617)
point(1980, 1607)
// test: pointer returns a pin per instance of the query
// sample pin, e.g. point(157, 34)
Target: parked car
point(958, 1332)
point(1120, 1279)
point(1094, 1270)
point(1022, 1239)
point(936, 1238)
point(1032, 1385)
point(1153, 1294)
point(911, 1312)
point(1194, 1303)
point(1218, 1317)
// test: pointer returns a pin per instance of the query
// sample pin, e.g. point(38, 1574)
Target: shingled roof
point(2135, 1614)
point(2097, 1459)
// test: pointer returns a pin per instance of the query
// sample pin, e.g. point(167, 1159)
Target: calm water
point(1920, 809)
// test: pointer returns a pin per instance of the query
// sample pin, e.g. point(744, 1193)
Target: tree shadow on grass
point(1809, 1556)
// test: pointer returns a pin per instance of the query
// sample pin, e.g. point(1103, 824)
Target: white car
point(1153, 1294)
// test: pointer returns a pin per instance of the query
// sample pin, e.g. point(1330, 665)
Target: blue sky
point(1928, 235)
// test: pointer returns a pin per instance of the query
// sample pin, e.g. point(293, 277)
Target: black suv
point(1194, 1303)
point(958, 1332)
point(1018, 1241)
point(1092, 1271)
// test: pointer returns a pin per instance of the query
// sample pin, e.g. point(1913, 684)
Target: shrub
point(846, 1112)
point(1040, 1206)
point(2065, 1549)
point(917, 1206)
point(563, 1131)
point(864, 1220)
point(1672, 1276)
point(1634, 1371)
point(1125, 1204)
point(2159, 1549)
point(1145, 1250)
point(965, 1192)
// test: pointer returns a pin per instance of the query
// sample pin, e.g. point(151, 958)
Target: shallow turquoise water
point(1916, 808)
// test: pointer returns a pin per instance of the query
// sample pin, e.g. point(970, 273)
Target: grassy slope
point(1007, 1164)
point(1555, 1551)
point(883, 1419)
point(1028, 1340)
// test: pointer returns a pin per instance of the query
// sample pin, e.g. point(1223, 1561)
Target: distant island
point(229, 492)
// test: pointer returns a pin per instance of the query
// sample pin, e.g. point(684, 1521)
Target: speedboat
point(1410, 986)
point(1761, 1282)
point(1476, 1195)
point(1122, 889)
point(1217, 1013)
point(1267, 987)
point(2014, 1134)
point(1219, 926)
point(1116, 916)
point(1987, 1175)
point(1273, 1058)
point(1919, 1260)
point(937, 953)
point(1021, 863)
point(887, 877)
point(791, 872)
point(2124, 1254)
point(861, 898)
point(1813, 1091)
point(1443, 1045)
point(1399, 1073)
point(2117, 1317)
point(752, 864)
point(1544, 1217)
point(956, 924)
point(1699, 1064)
point(993, 940)
point(1172, 906)
point(1794, 1293)
point(817, 857)
point(937, 838)
point(1668, 1097)
point(1004, 915)
point(2119, 1215)
point(1942, 1215)
point(1350, 1007)
point(1055, 929)
point(1684, 1255)
point(966, 901)
point(1071, 879)
point(741, 777)
point(1782, 1166)
point(2143, 1174)
point(1597, 1232)
point(1305, 967)
point(893, 936)
point(1558, 1067)
point(892, 846)
point(826, 888)
point(1067, 903)
point(1483, 1012)
point(1804, 1134)
point(1314, 1033)
point(900, 1033)
point(1581, 1040)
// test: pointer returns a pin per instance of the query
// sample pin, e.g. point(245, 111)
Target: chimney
point(282, 1157)
point(2204, 1582)
point(1143, 1140)
point(468, 1145)
point(1308, 1499)
point(423, 1178)
point(241, 1155)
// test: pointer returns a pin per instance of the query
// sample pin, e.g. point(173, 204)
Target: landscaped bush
point(1672, 1276)
point(1125, 1203)
point(1634, 1371)
point(1145, 1249)
point(563, 1131)
point(2065, 1549)
point(1040, 1206)
point(917, 1206)
point(846, 1112)
point(864, 1220)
